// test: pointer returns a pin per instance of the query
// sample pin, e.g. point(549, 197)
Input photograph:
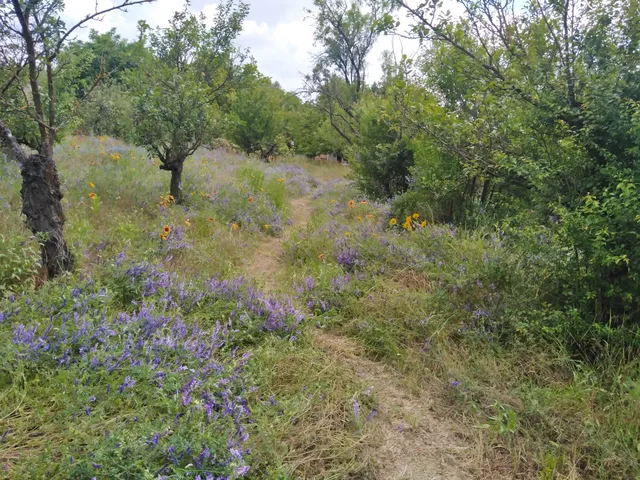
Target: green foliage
point(492, 141)
point(108, 112)
point(258, 116)
point(19, 264)
point(382, 158)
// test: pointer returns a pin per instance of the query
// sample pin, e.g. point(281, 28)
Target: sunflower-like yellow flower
point(234, 226)
point(393, 221)
point(92, 185)
point(93, 196)
point(351, 204)
point(166, 229)
point(416, 216)
point(423, 224)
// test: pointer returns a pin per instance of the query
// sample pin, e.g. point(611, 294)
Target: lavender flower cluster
point(172, 391)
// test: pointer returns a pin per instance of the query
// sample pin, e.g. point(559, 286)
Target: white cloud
point(276, 32)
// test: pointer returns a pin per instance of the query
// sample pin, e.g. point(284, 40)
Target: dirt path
point(265, 265)
point(417, 443)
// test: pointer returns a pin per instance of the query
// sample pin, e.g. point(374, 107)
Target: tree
point(539, 109)
point(178, 90)
point(259, 118)
point(346, 31)
point(32, 36)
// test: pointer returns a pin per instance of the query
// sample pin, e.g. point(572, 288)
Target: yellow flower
point(351, 203)
point(102, 139)
point(359, 218)
point(163, 237)
point(93, 196)
point(333, 201)
point(267, 227)
point(92, 185)
point(115, 156)
point(423, 224)
point(166, 229)
point(348, 234)
point(171, 198)
point(250, 199)
point(187, 222)
point(363, 202)
point(234, 226)
point(281, 180)
point(392, 222)
point(416, 216)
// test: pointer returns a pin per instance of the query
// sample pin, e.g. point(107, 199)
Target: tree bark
point(42, 207)
point(176, 182)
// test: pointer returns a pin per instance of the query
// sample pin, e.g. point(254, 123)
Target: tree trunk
point(42, 207)
point(176, 182)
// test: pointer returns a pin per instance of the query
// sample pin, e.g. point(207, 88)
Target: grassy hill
point(279, 325)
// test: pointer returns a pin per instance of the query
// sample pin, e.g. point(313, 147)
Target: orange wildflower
point(93, 196)
point(166, 229)
point(351, 203)
point(250, 199)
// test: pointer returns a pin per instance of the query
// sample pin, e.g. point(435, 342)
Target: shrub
point(19, 263)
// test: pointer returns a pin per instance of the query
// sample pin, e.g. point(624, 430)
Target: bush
point(381, 157)
point(108, 112)
point(19, 263)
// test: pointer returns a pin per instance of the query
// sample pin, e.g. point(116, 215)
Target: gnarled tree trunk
point(42, 207)
point(41, 204)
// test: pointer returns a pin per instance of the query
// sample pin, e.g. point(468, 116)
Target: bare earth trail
point(417, 443)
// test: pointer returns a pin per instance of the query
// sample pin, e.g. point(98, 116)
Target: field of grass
point(279, 325)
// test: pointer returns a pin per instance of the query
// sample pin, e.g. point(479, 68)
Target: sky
point(277, 32)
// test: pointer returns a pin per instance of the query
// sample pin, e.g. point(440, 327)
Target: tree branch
point(9, 141)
